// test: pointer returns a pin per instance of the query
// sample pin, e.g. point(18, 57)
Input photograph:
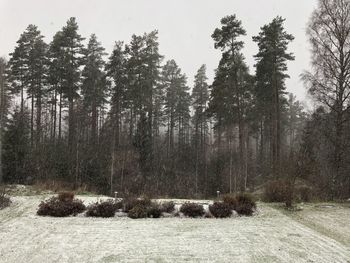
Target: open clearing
point(317, 234)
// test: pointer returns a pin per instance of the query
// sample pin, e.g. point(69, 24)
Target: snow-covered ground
point(270, 236)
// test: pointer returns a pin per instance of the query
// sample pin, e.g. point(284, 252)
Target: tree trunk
point(38, 119)
point(94, 121)
point(32, 123)
point(71, 124)
point(60, 118)
point(55, 116)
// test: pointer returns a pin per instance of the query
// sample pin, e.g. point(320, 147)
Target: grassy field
point(319, 233)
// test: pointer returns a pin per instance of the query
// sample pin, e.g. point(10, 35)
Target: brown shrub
point(138, 211)
point(246, 204)
point(220, 210)
point(231, 200)
point(66, 196)
point(130, 203)
point(154, 211)
point(167, 207)
point(192, 210)
point(276, 191)
point(57, 208)
point(305, 193)
point(102, 209)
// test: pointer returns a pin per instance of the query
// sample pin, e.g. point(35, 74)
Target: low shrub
point(246, 204)
point(5, 201)
point(118, 205)
point(102, 209)
point(138, 211)
point(246, 198)
point(192, 210)
point(168, 207)
point(305, 193)
point(57, 208)
point(220, 210)
point(130, 203)
point(276, 191)
point(154, 211)
point(231, 200)
point(245, 209)
point(66, 196)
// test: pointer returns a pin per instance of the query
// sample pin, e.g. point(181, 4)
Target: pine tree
point(271, 66)
point(28, 65)
point(16, 149)
point(230, 86)
point(94, 87)
point(71, 61)
point(116, 71)
point(55, 79)
point(200, 98)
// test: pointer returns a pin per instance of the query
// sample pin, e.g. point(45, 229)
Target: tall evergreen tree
point(200, 98)
point(94, 85)
point(231, 85)
point(72, 48)
point(16, 149)
point(271, 69)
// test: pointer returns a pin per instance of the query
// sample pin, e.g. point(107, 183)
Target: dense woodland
point(130, 122)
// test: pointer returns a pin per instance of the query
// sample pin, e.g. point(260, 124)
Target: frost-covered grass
point(269, 236)
point(330, 219)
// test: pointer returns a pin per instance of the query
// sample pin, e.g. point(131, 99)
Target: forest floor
point(318, 233)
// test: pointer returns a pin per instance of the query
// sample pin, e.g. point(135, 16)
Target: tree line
point(130, 122)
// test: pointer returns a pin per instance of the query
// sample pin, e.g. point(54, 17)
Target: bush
point(66, 196)
point(192, 210)
point(5, 201)
point(130, 203)
point(276, 191)
point(57, 208)
point(118, 205)
point(246, 204)
point(138, 211)
point(305, 193)
point(102, 209)
point(230, 200)
point(154, 211)
point(246, 198)
point(220, 210)
point(167, 207)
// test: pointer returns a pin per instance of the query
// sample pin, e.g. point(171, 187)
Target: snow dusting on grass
point(270, 236)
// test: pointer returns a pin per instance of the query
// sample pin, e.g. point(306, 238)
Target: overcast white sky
point(185, 26)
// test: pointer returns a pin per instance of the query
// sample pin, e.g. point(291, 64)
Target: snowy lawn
point(270, 236)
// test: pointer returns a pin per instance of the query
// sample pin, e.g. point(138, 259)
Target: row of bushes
point(65, 205)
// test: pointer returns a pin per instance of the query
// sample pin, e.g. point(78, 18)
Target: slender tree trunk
point(71, 124)
point(38, 119)
point(60, 119)
point(32, 122)
point(55, 116)
point(22, 99)
point(94, 121)
point(231, 159)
